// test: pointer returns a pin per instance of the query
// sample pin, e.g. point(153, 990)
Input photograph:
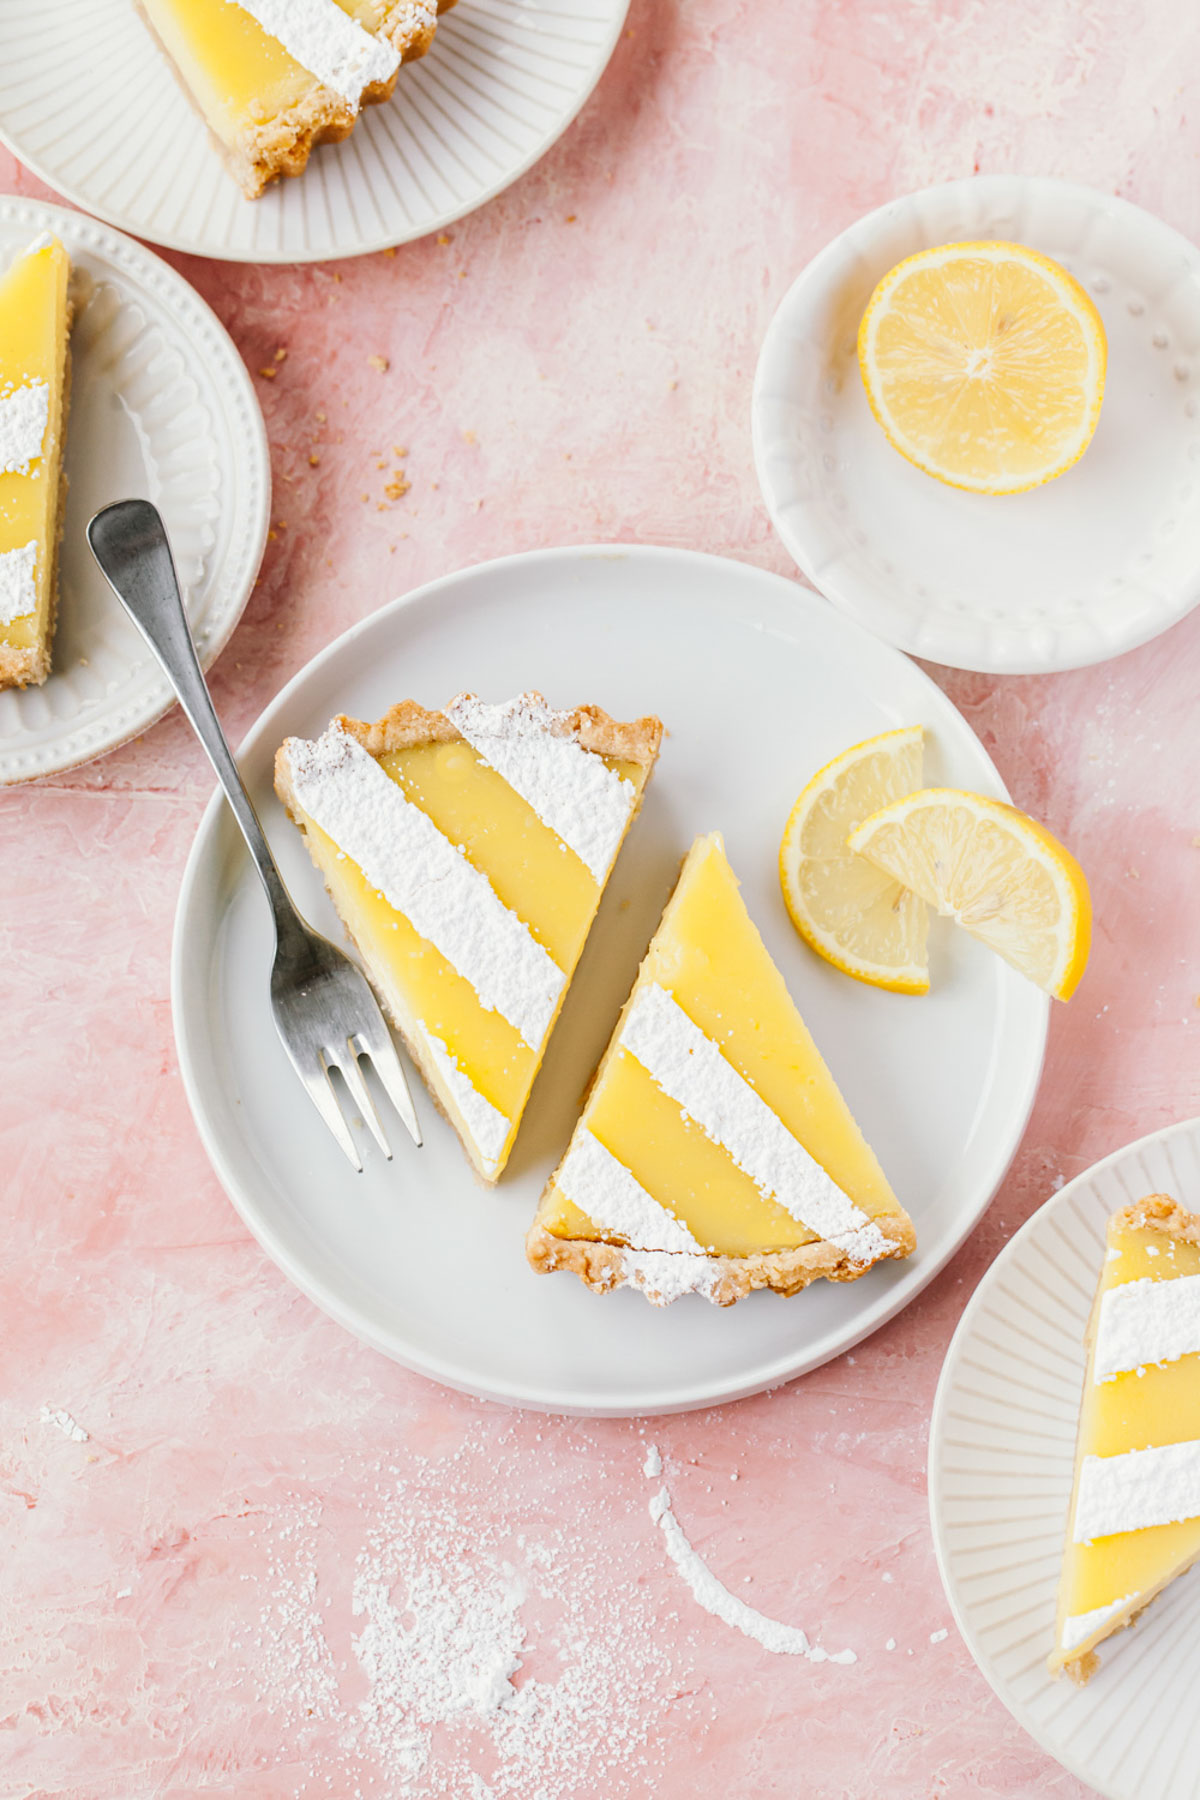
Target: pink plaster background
point(574, 363)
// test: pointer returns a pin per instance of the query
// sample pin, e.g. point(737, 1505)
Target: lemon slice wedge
point(1000, 874)
point(984, 364)
point(853, 914)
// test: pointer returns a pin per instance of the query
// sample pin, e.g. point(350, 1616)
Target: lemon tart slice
point(1134, 1523)
point(35, 322)
point(466, 852)
point(273, 78)
point(715, 1154)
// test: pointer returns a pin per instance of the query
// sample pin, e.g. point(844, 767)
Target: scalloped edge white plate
point(500, 84)
point(1082, 569)
point(161, 407)
point(1001, 1456)
point(414, 1257)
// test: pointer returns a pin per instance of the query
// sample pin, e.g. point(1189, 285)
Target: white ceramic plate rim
point(1187, 595)
point(160, 697)
point(1011, 1254)
point(678, 1399)
point(201, 246)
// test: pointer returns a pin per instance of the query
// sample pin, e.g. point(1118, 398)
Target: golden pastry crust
point(30, 667)
point(1158, 1212)
point(602, 1267)
point(407, 724)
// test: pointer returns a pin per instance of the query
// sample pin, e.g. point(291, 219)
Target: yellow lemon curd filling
point(532, 871)
point(34, 320)
point(708, 954)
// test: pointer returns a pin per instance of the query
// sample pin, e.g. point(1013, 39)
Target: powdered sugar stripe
point(486, 1124)
point(422, 874)
point(327, 42)
point(24, 419)
point(572, 790)
point(665, 1276)
point(714, 1597)
point(1081, 1626)
point(602, 1187)
point(18, 585)
point(1160, 1486)
point(691, 1070)
point(1147, 1322)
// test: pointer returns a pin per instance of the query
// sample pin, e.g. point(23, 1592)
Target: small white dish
point(942, 1086)
point(1001, 1456)
point(161, 407)
point(1082, 569)
point(90, 102)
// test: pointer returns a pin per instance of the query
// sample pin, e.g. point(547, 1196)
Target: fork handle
point(130, 544)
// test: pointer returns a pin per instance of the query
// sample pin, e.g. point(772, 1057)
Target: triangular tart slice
point(466, 852)
point(273, 78)
point(715, 1153)
point(35, 323)
point(1134, 1521)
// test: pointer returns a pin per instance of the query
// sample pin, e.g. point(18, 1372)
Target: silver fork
point(325, 1013)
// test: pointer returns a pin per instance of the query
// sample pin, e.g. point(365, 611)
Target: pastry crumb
point(379, 362)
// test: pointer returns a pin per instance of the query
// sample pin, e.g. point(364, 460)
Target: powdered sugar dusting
point(328, 43)
point(1136, 1489)
point(54, 1415)
point(486, 1124)
point(571, 789)
point(24, 419)
point(690, 1068)
point(18, 585)
point(1147, 1322)
point(1078, 1627)
point(665, 1276)
point(601, 1186)
point(427, 878)
point(714, 1597)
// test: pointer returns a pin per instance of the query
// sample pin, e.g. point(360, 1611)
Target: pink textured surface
point(573, 364)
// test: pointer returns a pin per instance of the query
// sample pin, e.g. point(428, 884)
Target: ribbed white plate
point(1001, 1453)
point(1079, 570)
point(161, 406)
point(414, 1256)
point(91, 103)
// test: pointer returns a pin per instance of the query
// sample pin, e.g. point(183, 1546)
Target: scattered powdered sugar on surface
point(572, 790)
point(24, 417)
point(54, 1415)
point(468, 1651)
point(715, 1597)
point(18, 590)
point(652, 1467)
point(939, 1637)
point(328, 43)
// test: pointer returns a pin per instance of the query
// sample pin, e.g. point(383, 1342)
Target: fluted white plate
point(1090, 565)
point(1001, 1455)
point(161, 407)
point(415, 1256)
point(90, 102)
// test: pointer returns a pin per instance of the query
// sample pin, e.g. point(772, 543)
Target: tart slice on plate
point(715, 1154)
point(35, 324)
point(274, 78)
point(1134, 1523)
point(466, 852)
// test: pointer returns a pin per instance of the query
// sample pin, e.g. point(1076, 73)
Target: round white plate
point(162, 407)
point(758, 683)
point(93, 106)
point(1001, 1455)
point(1079, 570)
